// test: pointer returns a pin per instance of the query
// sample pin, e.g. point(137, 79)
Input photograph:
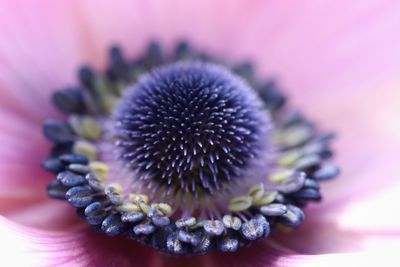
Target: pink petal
point(334, 260)
point(22, 180)
point(44, 214)
point(366, 125)
point(40, 48)
point(375, 215)
point(320, 235)
point(367, 151)
point(78, 247)
point(24, 246)
point(261, 253)
point(81, 247)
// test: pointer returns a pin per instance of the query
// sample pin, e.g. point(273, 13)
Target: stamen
point(182, 154)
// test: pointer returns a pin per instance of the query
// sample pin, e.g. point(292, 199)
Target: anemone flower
point(195, 124)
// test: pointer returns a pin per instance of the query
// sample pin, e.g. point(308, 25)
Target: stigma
point(192, 128)
point(183, 152)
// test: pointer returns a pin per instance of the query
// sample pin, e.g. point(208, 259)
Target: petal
point(40, 48)
point(24, 246)
point(44, 214)
point(334, 260)
point(376, 215)
point(78, 247)
point(262, 253)
point(365, 133)
point(21, 176)
point(278, 36)
point(321, 47)
point(318, 235)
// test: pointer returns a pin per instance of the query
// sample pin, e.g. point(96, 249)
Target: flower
point(185, 157)
point(333, 71)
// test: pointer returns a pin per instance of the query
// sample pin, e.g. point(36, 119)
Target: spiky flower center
point(191, 127)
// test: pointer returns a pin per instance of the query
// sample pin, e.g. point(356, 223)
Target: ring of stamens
point(100, 185)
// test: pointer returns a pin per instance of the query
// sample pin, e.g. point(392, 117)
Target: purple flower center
point(192, 127)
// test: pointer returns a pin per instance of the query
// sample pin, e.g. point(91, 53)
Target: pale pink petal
point(311, 46)
point(367, 151)
point(22, 180)
point(376, 214)
point(44, 214)
point(27, 246)
point(333, 260)
point(81, 247)
point(368, 138)
point(40, 48)
point(78, 247)
point(24, 246)
point(261, 253)
point(318, 235)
